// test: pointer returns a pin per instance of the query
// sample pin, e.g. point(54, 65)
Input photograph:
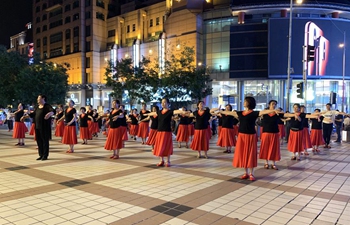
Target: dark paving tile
point(170, 205)
point(74, 183)
point(160, 208)
point(183, 208)
point(173, 212)
point(17, 168)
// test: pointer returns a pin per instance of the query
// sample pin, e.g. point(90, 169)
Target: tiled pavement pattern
point(89, 188)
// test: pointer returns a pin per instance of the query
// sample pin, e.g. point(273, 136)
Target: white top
point(329, 116)
point(347, 121)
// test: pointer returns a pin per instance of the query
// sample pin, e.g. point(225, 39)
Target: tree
point(45, 78)
point(11, 63)
point(139, 82)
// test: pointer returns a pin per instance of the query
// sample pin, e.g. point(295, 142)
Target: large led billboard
point(323, 35)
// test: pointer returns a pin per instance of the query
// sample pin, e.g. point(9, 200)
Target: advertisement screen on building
point(322, 39)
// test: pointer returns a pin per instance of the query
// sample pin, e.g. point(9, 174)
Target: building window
point(75, 16)
point(88, 31)
point(151, 23)
point(37, 19)
point(45, 28)
point(56, 52)
point(55, 12)
point(67, 20)
point(128, 29)
point(87, 15)
point(157, 21)
point(56, 38)
point(44, 17)
point(44, 41)
point(76, 32)
point(76, 47)
point(37, 30)
point(87, 62)
point(87, 3)
point(100, 16)
point(67, 49)
point(38, 43)
point(100, 3)
point(111, 33)
point(37, 9)
point(133, 27)
point(67, 8)
point(44, 6)
point(55, 24)
point(88, 46)
point(75, 4)
point(68, 34)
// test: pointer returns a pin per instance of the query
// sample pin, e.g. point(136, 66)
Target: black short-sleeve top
point(306, 121)
point(247, 121)
point(69, 114)
point(227, 121)
point(184, 120)
point(95, 116)
point(270, 122)
point(19, 115)
point(315, 124)
point(59, 115)
point(154, 124)
point(220, 120)
point(202, 119)
point(164, 120)
point(83, 120)
point(123, 122)
point(142, 116)
point(296, 124)
point(116, 123)
point(90, 113)
point(134, 120)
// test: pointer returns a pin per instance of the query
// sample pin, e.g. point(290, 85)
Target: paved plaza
point(87, 187)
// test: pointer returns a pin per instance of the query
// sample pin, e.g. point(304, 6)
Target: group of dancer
point(236, 129)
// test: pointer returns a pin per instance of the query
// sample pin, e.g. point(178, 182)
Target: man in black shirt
point(338, 125)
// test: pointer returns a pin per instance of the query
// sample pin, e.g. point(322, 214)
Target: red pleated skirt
point(163, 145)
point(191, 129)
point(95, 128)
point(182, 133)
point(32, 129)
point(69, 135)
point(227, 138)
point(246, 153)
point(114, 139)
point(306, 138)
point(295, 141)
point(19, 130)
point(152, 137)
point(261, 131)
point(316, 137)
point(209, 132)
point(90, 126)
point(235, 129)
point(270, 147)
point(133, 130)
point(84, 133)
point(200, 140)
point(124, 132)
point(282, 130)
point(59, 129)
point(143, 130)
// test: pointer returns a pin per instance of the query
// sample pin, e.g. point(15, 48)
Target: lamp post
point(343, 45)
point(289, 83)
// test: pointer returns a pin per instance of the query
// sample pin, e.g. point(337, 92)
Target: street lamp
point(290, 50)
point(343, 45)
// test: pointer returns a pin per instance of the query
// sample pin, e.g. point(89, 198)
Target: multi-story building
point(244, 44)
point(23, 42)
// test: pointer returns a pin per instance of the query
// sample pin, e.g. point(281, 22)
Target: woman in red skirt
point(246, 154)
point(83, 125)
point(191, 122)
point(316, 133)
point(59, 122)
point(124, 125)
point(114, 140)
point(227, 137)
point(20, 128)
point(154, 126)
point(306, 132)
point(32, 129)
point(134, 124)
point(201, 138)
point(70, 133)
point(163, 146)
point(281, 127)
point(143, 129)
point(90, 113)
point(270, 137)
point(182, 134)
point(295, 141)
point(94, 126)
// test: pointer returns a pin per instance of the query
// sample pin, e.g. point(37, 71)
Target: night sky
point(14, 15)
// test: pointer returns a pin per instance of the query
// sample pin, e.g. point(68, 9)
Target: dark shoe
point(266, 166)
point(44, 158)
point(39, 158)
point(160, 163)
point(294, 158)
point(274, 167)
point(17, 144)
